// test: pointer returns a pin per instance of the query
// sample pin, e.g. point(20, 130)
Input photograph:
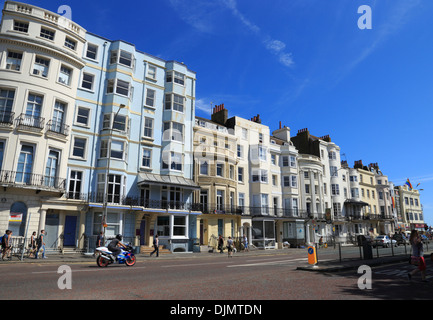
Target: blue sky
point(303, 62)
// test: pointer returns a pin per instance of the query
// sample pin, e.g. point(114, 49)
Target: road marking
point(87, 270)
point(193, 264)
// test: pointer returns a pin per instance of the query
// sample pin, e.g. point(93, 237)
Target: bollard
point(339, 250)
point(392, 248)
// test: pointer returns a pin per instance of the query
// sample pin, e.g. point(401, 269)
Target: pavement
point(328, 265)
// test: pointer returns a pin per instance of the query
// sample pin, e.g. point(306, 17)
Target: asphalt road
point(214, 278)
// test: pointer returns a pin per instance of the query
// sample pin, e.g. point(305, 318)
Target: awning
point(166, 180)
point(354, 202)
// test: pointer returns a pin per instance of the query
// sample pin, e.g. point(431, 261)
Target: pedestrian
point(230, 247)
point(321, 242)
point(6, 243)
point(417, 257)
point(100, 241)
point(41, 245)
point(155, 246)
point(221, 244)
point(32, 245)
point(246, 243)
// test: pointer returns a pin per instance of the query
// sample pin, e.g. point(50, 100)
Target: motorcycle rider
point(114, 245)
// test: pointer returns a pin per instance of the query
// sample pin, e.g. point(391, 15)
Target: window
point(58, 118)
point(173, 131)
point(13, 61)
point(334, 171)
point(354, 192)
point(332, 155)
point(40, 68)
point(178, 77)
point(51, 168)
point(120, 87)
point(83, 116)
point(240, 150)
point(337, 209)
point(293, 161)
point(274, 159)
point(6, 103)
point(115, 187)
point(204, 168)
point(163, 226)
point(33, 111)
point(69, 43)
point(274, 180)
point(172, 161)
point(150, 98)
point(75, 180)
point(146, 160)
point(220, 200)
point(259, 175)
point(119, 121)
point(117, 149)
point(87, 82)
point(65, 75)
point(47, 34)
point(220, 169)
point(262, 153)
point(307, 188)
point(174, 102)
point(335, 189)
point(25, 164)
point(294, 181)
point(122, 57)
point(148, 127)
point(79, 148)
point(241, 199)
point(21, 26)
point(151, 72)
point(240, 174)
point(92, 51)
point(286, 181)
point(285, 161)
point(179, 226)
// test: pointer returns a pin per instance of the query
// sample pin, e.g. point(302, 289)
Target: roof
point(170, 180)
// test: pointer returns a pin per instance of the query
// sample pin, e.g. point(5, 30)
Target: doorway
point(69, 233)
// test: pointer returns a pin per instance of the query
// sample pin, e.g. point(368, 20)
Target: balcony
point(32, 180)
point(30, 123)
point(57, 128)
point(6, 118)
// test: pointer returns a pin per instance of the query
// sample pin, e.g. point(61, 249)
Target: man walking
point(41, 245)
point(156, 246)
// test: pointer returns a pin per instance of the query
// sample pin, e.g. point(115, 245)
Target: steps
point(148, 250)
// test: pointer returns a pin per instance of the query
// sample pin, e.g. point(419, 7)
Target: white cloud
point(273, 45)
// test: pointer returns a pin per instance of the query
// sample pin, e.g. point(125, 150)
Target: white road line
point(193, 264)
point(87, 270)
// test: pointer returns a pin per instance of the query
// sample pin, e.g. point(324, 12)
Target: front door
point(70, 228)
point(143, 232)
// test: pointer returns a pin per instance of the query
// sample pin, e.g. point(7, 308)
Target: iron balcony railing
point(96, 197)
point(6, 118)
point(30, 121)
point(32, 180)
point(58, 127)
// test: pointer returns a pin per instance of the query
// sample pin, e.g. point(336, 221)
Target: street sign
point(312, 255)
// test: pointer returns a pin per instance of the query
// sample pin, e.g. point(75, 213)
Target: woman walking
point(417, 257)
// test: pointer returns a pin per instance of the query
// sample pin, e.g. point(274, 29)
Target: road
point(211, 278)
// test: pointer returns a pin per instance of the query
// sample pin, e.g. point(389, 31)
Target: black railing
point(33, 180)
point(30, 121)
point(6, 118)
point(58, 127)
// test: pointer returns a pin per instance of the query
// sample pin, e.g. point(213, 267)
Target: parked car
point(400, 238)
point(383, 241)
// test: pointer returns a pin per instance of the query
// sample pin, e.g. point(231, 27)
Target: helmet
point(119, 237)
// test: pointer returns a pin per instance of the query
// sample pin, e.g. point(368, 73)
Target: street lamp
point(110, 138)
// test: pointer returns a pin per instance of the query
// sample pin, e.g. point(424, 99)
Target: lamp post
point(107, 172)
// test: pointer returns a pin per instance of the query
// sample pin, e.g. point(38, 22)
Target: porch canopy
point(355, 202)
point(166, 180)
